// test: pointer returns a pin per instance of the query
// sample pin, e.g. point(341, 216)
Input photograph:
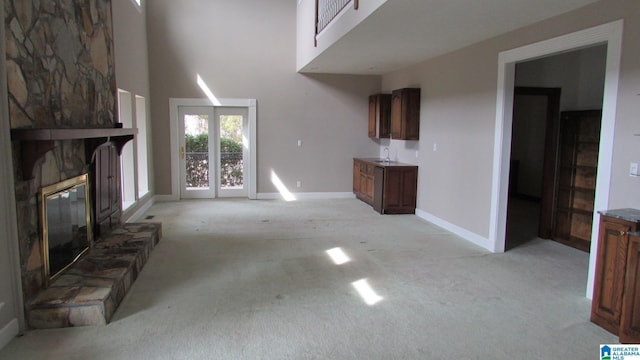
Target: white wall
point(240, 54)
point(458, 111)
point(580, 75)
point(10, 300)
point(132, 75)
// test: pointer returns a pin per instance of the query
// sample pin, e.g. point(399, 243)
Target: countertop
point(383, 163)
point(632, 215)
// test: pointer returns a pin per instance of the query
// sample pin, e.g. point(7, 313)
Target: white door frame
point(610, 34)
point(250, 171)
point(242, 111)
point(210, 191)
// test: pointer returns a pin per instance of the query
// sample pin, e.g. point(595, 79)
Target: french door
point(213, 149)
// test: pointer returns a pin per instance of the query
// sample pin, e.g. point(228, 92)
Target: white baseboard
point(275, 196)
point(463, 233)
point(308, 196)
point(8, 332)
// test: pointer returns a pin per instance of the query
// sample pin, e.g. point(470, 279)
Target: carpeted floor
point(239, 279)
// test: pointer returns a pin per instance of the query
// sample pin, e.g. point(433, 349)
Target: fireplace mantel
point(37, 142)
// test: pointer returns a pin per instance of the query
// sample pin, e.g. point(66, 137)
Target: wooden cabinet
point(405, 114)
point(577, 165)
point(363, 178)
point(630, 321)
point(106, 194)
point(616, 301)
point(390, 188)
point(379, 116)
point(400, 185)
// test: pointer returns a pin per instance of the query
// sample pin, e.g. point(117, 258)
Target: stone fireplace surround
point(89, 292)
point(61, 84)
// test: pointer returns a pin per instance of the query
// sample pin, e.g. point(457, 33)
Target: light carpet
point(239, 279)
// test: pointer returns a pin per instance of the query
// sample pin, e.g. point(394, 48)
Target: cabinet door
point(396, 115)
point(379, 115)
point(103, 182)
point(356, 177)
point(405, 114)
point(630, 318)
point(114, 179)
point(609, 281)
point(400, 190)
point(372, 117)
point(378, 189)
point(369, 184)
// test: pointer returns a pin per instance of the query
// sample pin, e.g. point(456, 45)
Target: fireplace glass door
point(66, 224)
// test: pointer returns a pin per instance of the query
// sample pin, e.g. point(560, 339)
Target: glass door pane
point(196, 138)
point(231, 164)
point(231, 129)
point(197, 152)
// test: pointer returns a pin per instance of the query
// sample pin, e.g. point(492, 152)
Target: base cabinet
point(390, 188)
point(616, 296)
point(106, 192)
point(630, 321)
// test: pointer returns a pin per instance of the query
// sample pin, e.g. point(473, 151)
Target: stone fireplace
point(62, 108)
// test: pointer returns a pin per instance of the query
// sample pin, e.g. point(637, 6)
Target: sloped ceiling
point(405, 32)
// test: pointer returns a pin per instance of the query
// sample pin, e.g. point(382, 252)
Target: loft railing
point(327, 10)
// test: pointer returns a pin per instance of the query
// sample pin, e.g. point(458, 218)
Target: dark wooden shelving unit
point(37, 142)
point(577, 166)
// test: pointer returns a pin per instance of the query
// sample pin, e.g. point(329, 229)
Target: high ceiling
point(405, 32)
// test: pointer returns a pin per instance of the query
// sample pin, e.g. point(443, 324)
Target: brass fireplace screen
point(65, 218)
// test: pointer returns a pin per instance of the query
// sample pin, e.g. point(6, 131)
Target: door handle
point(182, 152)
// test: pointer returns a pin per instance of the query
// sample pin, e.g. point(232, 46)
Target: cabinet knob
point(623, 233)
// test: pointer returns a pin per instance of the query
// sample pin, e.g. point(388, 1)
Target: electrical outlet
point(298, 183)
point(633, 169)
point(435, 147)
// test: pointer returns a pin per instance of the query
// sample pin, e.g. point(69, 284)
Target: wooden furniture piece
point(106, 192)
point(389, 187)
point(616, 300)
point(379, 116)
point(576, 177)
point(405, 114)
point(630, 322)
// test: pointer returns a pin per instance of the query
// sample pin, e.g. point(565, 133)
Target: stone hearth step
point(89, 292)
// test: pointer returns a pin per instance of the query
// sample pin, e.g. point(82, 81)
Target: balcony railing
point(327, 10)
point(197, 166)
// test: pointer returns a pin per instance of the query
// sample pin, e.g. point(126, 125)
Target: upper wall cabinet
point(405, 114)
point(379, 116)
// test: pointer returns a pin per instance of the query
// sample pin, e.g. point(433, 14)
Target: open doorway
point(552, 182)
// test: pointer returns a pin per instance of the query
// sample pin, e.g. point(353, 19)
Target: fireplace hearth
point(89, 291)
